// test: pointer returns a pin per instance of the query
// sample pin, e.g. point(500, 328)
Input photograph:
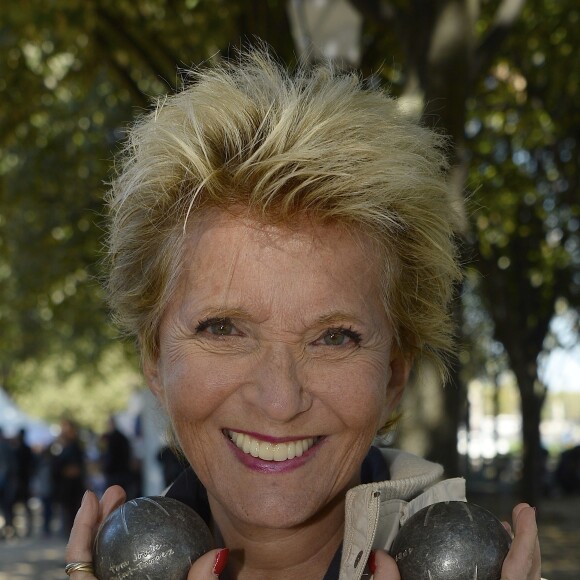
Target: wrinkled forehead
point(295, 233)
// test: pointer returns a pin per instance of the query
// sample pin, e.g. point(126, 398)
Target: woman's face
point(276, 365)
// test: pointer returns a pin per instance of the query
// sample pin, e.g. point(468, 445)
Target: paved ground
point(38, 558)
point(32, 559)
point(560, 534)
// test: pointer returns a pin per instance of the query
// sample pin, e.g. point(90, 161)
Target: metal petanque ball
point(150, 537)
point(451, 540)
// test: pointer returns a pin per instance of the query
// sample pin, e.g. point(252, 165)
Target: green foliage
point(88, 397)
point(523, 127)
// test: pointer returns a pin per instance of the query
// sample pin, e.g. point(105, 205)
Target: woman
point(282, 248)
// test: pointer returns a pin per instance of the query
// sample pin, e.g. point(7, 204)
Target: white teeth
point(266, 451)
point(281, 454)
point(271, 451)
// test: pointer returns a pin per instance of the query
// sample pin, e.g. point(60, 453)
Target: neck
point(300, 553)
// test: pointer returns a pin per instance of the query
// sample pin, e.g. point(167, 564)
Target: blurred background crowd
point(50, 479)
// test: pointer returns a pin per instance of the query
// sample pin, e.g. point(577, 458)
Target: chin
point(282, 518)
point(279, 509)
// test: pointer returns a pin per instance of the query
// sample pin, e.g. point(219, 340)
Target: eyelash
point(349, 332)
point(205, 324)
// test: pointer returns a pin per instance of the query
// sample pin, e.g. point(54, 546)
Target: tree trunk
point(532, 400)
point(443, 439)
point(430, 418)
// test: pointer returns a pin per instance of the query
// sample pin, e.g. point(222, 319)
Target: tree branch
point(383, 12)
point(114, 24)
point(506, 16)
point(121, 70)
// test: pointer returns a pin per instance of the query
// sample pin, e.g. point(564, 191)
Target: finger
point(209, 566)
point(524, 518)
point(523, 561)
point(518, 510)
point(385, 567)
point(79, 548)
point(90, 515)
point(113, 497)
point(508, 529)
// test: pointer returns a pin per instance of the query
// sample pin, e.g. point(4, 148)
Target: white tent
point(13, 419)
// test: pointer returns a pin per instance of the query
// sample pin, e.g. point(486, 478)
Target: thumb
point(385, 567)
point(210, 565)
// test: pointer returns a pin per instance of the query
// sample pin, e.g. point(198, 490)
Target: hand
point(87, 522)
point(523, 561)
point(90, 516)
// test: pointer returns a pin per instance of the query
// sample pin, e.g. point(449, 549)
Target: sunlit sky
point(562, 372)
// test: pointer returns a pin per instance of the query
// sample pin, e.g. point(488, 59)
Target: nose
point(277, 387)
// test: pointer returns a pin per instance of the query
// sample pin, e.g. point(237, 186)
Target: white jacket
point(375, 511)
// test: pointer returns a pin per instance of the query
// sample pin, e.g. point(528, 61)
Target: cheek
point(194, 388)
point(357, 394)
point(193, 396)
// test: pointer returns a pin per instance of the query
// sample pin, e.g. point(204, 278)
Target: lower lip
point(257, 464)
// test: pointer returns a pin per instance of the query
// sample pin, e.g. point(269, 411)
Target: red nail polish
point(220, 561)
point(372, 563)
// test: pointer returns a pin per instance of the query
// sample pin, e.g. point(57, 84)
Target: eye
point(217, 327)
point(339, 337)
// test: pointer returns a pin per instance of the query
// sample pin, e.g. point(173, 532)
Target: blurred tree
point(499, 76)
point(523, 129)
point(501, 79)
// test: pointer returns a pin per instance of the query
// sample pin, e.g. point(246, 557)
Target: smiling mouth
point(271, 451)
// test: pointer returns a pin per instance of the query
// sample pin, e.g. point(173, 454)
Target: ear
point(400, 366)
point(153, 379)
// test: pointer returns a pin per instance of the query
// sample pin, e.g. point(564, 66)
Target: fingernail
point(220, 561)
point(84, 497)
point(372, 563)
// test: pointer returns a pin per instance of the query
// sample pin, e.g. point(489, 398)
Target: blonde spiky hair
point(315, 143)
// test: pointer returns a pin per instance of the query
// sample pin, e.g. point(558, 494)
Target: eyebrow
point(334, 318)
point(337, 317)
point(224, 312)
